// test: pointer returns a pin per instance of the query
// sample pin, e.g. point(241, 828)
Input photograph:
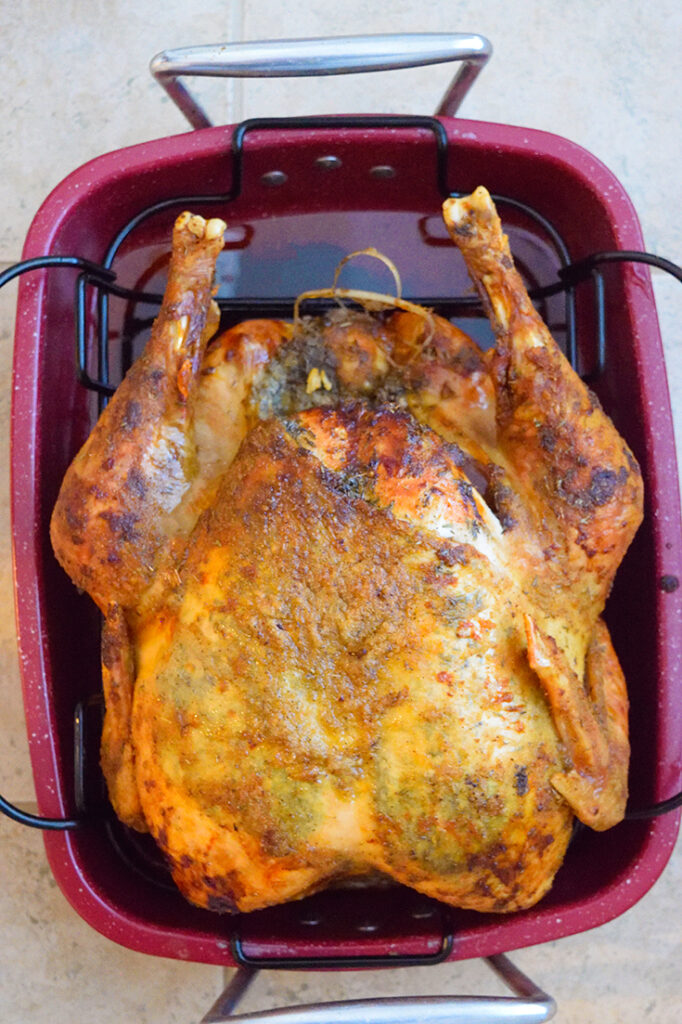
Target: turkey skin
point(352, 571)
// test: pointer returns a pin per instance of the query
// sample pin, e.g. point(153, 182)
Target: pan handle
point(338, 55)
point(529, 1005)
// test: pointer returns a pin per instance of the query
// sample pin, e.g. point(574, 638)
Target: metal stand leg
point(228, 1000)
point(530, 1005)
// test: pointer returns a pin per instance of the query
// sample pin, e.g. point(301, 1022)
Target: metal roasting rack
point(98, 283)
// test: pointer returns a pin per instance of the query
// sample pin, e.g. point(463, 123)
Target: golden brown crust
point(566, 453)
point(346, 653)
point(352, 571)
point(592, 721)
point(117, 750)
point(111, 517)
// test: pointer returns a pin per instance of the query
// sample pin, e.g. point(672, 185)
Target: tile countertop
point(606, 76)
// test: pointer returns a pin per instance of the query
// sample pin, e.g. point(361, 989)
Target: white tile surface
point(54, 968)
point(606, 75)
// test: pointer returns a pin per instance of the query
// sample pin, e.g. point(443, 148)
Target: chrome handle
point(339, 55)
point(529, 1005)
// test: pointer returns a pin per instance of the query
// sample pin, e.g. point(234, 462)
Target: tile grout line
point(234, 92)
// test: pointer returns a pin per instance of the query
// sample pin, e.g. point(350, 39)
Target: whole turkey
point(352, 571)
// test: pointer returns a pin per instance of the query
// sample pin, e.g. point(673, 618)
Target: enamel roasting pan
point(298, 194)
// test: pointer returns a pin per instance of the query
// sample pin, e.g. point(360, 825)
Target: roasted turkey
point(352, 571)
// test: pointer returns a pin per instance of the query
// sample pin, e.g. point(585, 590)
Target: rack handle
point(337, 55)
point(528, 1005)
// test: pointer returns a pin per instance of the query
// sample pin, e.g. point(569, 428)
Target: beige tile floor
point(606, 75)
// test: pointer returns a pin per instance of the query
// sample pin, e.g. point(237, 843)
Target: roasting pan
point(298, 194)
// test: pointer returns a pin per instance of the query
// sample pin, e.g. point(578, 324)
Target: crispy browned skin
point(348, 690)
point(568, 458)
point(582, 489)
point(118, 500)
point(359, 628)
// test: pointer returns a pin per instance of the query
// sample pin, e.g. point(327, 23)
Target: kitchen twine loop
point(370, 300)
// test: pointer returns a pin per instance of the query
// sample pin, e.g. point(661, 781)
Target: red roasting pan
point(297, 196)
